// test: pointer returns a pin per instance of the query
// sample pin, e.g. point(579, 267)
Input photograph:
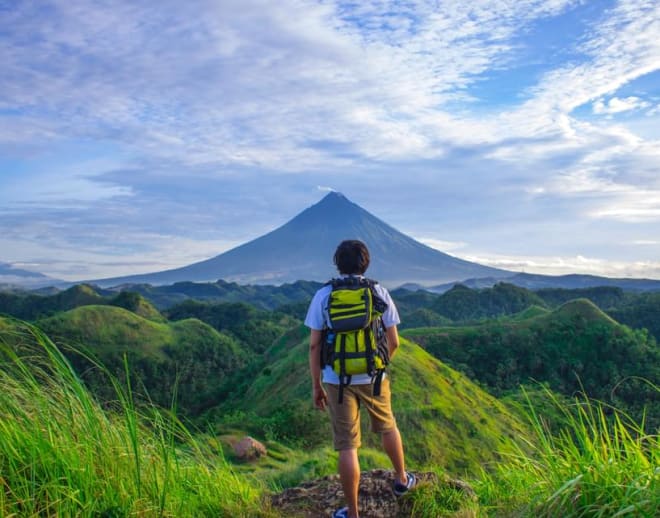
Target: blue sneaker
point(401, 489)
point(341, 513)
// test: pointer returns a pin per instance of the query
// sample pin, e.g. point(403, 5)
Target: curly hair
point(352, 257)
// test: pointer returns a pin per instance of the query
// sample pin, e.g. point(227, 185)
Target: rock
point(249, 449)
point(376, 500)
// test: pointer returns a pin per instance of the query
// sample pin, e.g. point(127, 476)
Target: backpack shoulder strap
point(351, 281)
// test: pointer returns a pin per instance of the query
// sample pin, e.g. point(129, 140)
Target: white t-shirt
point(317, 319)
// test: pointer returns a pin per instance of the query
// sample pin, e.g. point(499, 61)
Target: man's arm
point(392, 340)
point(318, 392)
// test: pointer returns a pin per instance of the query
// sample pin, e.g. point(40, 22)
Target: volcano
point(302, 249)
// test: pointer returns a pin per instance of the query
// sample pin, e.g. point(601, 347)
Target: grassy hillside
point(446, 420)
point(530, 312)
point(188, 355)
point(256, 329)
point(137, 304)
point(574, 347)
point(598, 463)
point(62, 454)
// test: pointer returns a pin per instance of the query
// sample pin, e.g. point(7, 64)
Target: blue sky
point(139, 136)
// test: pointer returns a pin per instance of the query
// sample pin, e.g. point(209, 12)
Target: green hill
point(446, 420)
point(260, 296)
point(30, 306)
point(604, 297)
point(408, 301)
point(423, 317)
point(575, 347)
point(33, 306)
point(461, 303)
point(137, 304)
point(530, 312)
point(256, 329)
point(580, 310)
point(188, 354)
point(640, 311)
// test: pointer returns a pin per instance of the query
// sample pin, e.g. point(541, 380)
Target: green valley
point(574, 348)
point(183, 383)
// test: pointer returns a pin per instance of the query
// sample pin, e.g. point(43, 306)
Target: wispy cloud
point(616, 105)
point(212, 89)
point(554, 265)
point(443, 246)
point(634, 206)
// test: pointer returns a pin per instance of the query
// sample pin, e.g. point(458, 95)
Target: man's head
point(352, 257)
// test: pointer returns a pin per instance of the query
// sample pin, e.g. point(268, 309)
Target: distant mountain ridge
point(12, 276)
point(533, 281)
point(302, 249)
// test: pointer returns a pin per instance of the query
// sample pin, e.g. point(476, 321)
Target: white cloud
point(326, 91)
point(213, 89)
point(621, 47)
point(557, 265)
point(617, 105)
point(634, 206)
point(439, 244)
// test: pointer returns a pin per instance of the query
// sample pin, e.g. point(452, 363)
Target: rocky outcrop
point(322, 497)
point(249, 449)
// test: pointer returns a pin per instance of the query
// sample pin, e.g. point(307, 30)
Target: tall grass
point(599, 464)
point(62, 454)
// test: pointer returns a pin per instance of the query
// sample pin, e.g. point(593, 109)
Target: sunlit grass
point(445, 499)
point(599, 464)
point(62, 454)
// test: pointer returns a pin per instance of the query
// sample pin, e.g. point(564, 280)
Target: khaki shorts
point(345, 417)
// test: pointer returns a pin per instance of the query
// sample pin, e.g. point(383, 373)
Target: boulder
point(249, 449)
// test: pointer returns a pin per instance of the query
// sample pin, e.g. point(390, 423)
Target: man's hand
point(320, 397)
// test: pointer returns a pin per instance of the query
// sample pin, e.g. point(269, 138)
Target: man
point(352, 259)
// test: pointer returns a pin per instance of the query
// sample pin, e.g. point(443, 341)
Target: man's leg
point(383, 422)
point(349, 473)
point(393, 446)
point(345, 418)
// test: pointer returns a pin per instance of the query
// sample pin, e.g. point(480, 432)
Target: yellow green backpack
point(355, 342)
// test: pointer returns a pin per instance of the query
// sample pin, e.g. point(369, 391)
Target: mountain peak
point(333, 207)
point(334, 194)
point(334, 197)
point(303, 248)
